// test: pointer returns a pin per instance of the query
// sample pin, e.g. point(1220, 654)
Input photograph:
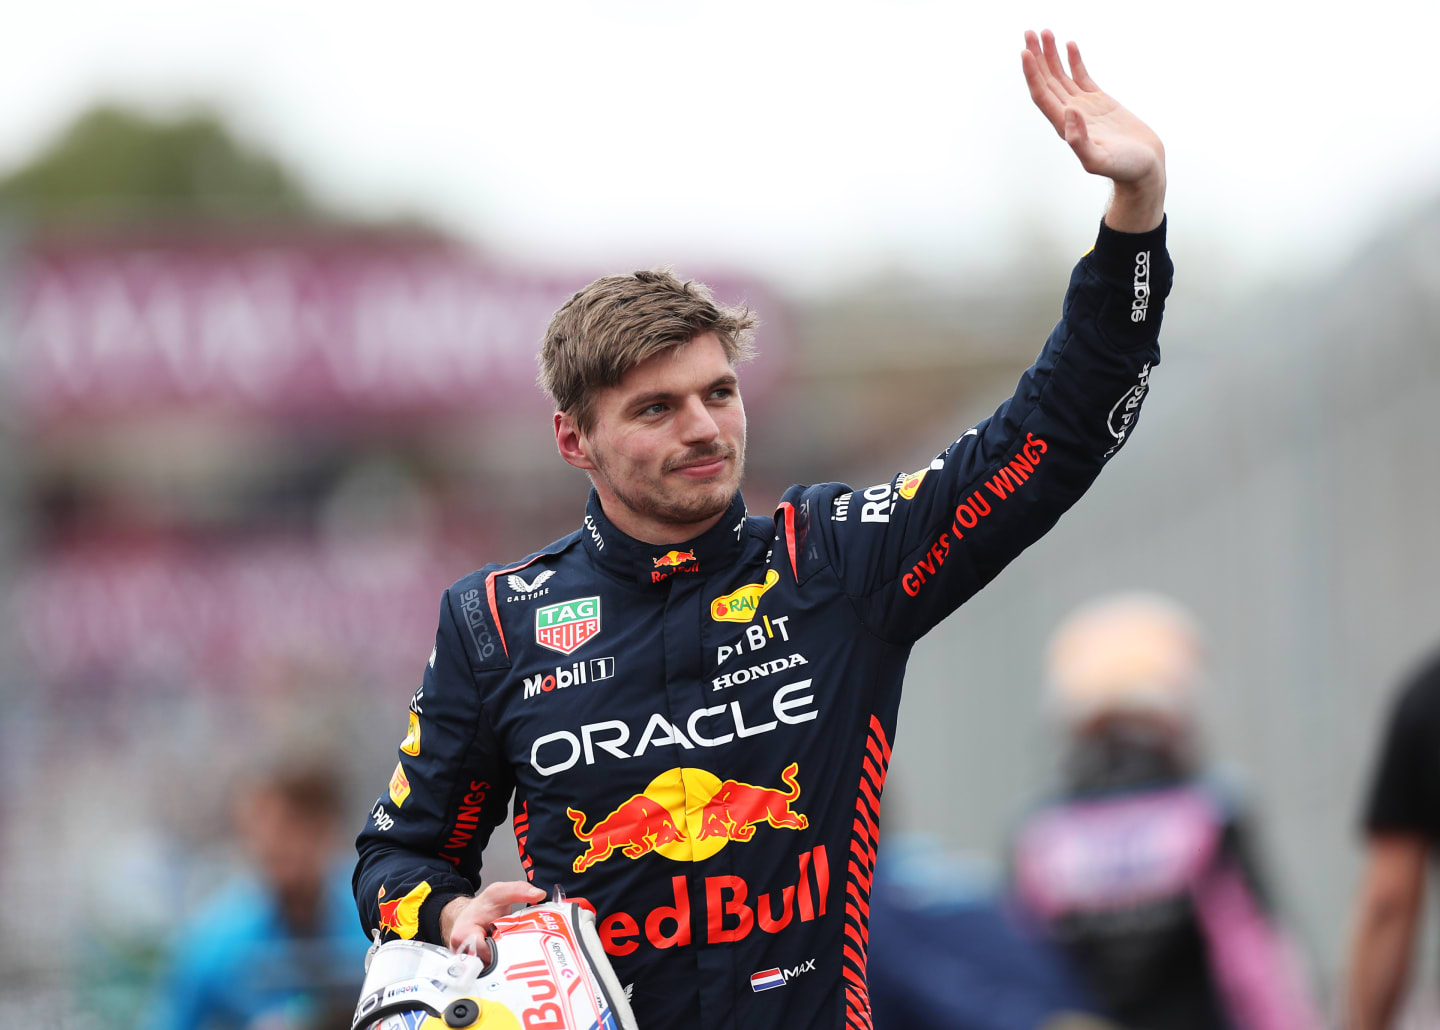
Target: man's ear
point(571, 443)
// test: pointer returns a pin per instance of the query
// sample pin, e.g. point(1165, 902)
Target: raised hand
point(1108, 139)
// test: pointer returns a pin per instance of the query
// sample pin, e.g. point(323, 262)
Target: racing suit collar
point(628, 558)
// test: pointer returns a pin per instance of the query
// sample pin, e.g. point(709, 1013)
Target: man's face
point(291, 849)
point(668, 441)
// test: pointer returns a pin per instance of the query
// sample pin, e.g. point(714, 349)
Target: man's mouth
point(702, 468)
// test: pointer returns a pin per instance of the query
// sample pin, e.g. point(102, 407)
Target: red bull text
point(672, 562)
point(720, 910)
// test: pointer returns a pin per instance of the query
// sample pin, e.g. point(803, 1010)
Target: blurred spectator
point(279, 949)
point(1142, 870)
point(947, 955)
point(1402, 825)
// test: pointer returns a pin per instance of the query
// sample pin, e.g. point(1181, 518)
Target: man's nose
point(697, 425)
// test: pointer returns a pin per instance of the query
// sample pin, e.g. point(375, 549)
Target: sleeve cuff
point(1116, 254)
point(430, 916)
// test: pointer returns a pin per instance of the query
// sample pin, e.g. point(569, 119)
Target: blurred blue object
point(946, 952)
point(238, 965)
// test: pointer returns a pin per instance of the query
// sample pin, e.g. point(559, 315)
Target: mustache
point(698, 456)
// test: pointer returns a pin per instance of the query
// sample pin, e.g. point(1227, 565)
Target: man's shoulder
point(801, 492)
point(803, 502)
point(496, 598)
point(523, 572)
point(1422, 685)
point(1416, 704)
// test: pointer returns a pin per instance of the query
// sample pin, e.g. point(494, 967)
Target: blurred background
point(272, 278)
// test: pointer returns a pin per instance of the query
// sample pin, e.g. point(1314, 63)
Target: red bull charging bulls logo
point(672, 562)
point(687, 815)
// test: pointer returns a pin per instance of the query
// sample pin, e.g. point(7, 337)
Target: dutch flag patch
point(766, 979)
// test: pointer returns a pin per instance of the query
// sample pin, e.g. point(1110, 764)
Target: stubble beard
point(653, 501)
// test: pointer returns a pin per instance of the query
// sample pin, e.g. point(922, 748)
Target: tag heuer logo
point(564, 627)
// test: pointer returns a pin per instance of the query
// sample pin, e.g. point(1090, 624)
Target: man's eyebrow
point(646, 399)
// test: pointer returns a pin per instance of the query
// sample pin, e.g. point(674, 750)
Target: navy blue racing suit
point(695, 738)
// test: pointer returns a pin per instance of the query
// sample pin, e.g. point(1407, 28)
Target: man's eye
point(722, 393)
point(653, 409)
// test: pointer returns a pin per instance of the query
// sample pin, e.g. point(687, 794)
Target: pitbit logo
point(688, 815)
point(741, 605)
point(402, 916)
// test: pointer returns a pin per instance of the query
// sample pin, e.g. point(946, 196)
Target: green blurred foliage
point(118, 165)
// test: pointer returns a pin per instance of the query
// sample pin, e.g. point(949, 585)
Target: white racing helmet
point(547, 968)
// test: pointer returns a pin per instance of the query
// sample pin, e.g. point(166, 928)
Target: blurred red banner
point(103, 613)
point(312, 327)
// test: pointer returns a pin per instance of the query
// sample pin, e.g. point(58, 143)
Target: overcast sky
point(809, 142)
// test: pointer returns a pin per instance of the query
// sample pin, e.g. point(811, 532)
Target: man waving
point(693, 715)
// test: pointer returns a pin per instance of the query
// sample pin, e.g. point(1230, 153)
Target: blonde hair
point(617, 322)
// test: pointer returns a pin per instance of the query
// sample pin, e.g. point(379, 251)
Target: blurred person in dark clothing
point(1142, 869)
point(277, 949)
point(1402, 826)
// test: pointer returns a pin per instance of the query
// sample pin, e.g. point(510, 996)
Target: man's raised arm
point(913, 549)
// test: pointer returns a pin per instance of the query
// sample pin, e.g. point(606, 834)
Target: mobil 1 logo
point(578, 674)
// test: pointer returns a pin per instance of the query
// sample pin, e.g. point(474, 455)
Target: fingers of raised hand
point(1053, 65)
point(1045, 77)
point(1051, 106)
point(1079, 71)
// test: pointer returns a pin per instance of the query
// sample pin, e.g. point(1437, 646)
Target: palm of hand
point(1108, 139)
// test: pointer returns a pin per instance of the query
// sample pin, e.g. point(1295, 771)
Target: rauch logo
point(741, 605)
